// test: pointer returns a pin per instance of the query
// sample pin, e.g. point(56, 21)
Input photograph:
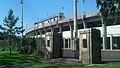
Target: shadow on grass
point(45, 66)
point(54, 66)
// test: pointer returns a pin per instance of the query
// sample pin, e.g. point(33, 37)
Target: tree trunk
point(10, 45)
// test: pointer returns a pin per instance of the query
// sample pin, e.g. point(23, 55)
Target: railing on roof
point(51, 17)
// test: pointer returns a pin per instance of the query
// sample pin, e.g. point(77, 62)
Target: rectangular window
point(62, 42)
point(116, 43)
point(54, 19)
point(108, 42)
point(101, 41)
point(69, 43)
point(77, 47)
point(66, 43)
point(84, 43)
point(48, 43)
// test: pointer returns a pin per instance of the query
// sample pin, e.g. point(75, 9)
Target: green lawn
point(6, 58)
point(115, 65)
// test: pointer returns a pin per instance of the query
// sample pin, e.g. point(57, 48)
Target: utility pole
point(21, 2)
point(75, 23)
point(22, 15)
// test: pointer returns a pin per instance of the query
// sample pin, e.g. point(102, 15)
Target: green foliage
point(39, 53)
point(40, 47)
point(28, 45)
point(109, 7)
point(33, 45)
point(1, 36)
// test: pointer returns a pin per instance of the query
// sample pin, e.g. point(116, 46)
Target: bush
point(33, 45)
point(39, 53)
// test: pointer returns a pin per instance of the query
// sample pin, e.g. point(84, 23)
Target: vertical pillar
point(68, 43)
point(45, 31)
point(52, 30)
point(63, 42)
point(104, 29)
point(46, 51)
point(30, 34)
point(40, 33)
point(71, 40)
point(75, 23)
point(111, 42)
point(83, 21)
point(60, 29)
point(51, 41)
point(40, 38)
point(36, 32)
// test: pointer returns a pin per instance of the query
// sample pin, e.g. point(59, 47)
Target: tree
point(10, 27)
point(109, 7)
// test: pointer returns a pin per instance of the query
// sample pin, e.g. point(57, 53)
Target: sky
point(36, 10)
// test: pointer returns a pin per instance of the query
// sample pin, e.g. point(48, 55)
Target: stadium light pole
point(75, 23)
point(21, 2)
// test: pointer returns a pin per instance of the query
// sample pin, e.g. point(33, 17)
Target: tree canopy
point(109, 7)
point(10, 24)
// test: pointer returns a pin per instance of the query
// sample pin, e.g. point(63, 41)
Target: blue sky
point(35, 10)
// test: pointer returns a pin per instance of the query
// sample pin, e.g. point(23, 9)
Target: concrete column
point(40, 37)
point(51, 41)
point(83, 21)
point(40, 34)
point(60, 29)
point(63, 42)
point(71, 40)
point(45, 30)
point(68, 43)
point(111, 42)
point(36, 36)
point(71, 30)
point(104, 29)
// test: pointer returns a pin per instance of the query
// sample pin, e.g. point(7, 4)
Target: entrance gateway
point(90, 48)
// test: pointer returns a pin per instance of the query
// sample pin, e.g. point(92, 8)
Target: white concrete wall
point(114, 30)
point(66, 34)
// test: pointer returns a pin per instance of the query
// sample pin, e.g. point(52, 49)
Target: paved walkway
point(60, 61)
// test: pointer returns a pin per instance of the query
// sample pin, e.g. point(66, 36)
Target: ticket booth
point(90, 51)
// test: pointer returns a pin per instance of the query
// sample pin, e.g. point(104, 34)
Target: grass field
point(112, 65)
point(6, 58)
